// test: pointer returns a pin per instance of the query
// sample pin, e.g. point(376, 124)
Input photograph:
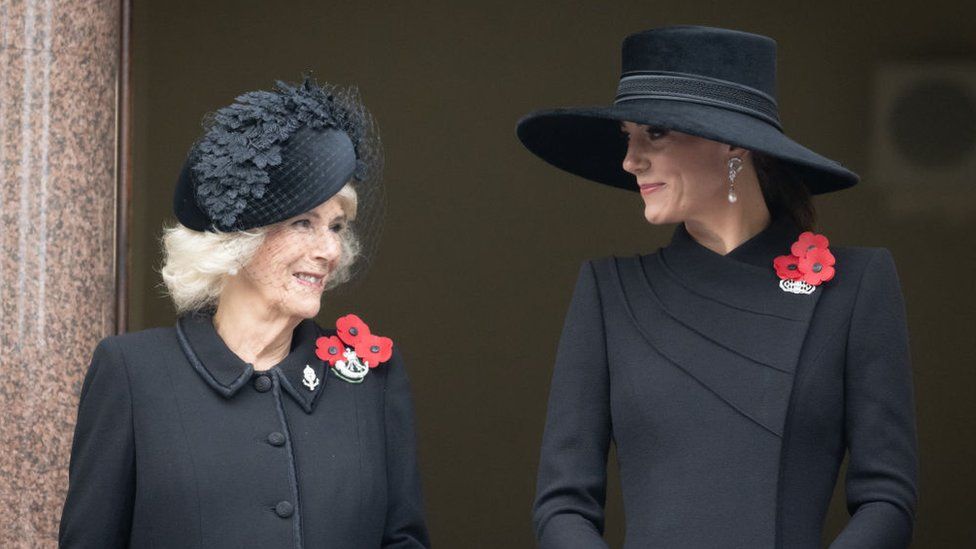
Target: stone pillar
point(59, 69)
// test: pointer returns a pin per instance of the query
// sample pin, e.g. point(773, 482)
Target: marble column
point(59, 69)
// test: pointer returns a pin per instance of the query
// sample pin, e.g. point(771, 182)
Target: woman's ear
point(739, 152)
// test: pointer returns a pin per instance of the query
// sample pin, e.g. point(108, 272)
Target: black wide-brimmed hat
point(714, 83)
point(272, 155)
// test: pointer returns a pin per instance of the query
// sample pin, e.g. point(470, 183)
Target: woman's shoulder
point(864, 260)
point(864, 274)
point(149, 338)
point(117, 360)
point(128, 350)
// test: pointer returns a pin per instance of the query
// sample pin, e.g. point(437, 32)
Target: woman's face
point(681, 177)
point(292, 266)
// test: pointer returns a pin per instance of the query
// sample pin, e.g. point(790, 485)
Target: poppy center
point(374, 349)
point(354, 331)
point(333, 350)
point(817, 267)
point(791, 267)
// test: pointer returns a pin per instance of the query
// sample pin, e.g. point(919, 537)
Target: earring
point(735, 166)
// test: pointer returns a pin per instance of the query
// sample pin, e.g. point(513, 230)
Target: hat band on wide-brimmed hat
point(693, 88)
point(716, 84)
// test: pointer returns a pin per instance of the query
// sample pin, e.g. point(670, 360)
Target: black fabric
point(587, 141)
point(650, 85)
point(725, 54)
point(169, 454)
point(315, 165)
point(272, 155)
point(730, 402)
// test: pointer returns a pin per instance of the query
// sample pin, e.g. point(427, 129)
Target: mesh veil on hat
point(272, 155)
point(714, 83)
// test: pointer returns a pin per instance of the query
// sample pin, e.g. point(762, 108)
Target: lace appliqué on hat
point(245, 139)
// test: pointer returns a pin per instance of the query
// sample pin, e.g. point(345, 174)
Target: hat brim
point(587, 141)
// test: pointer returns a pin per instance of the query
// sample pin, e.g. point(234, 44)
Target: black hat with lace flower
point(272, 155)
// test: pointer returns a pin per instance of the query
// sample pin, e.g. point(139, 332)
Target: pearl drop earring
point(735, 166)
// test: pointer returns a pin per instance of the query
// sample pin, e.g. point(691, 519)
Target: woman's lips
point(310, 280)
point(648, 188)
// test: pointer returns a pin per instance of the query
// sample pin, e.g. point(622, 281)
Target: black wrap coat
point(179, 443)
point(731, 403)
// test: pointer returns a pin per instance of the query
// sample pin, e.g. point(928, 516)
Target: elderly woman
point(246, 424)
point(735, 367)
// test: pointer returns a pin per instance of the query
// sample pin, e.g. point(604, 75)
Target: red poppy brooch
point(809, 264)
point(354, 350)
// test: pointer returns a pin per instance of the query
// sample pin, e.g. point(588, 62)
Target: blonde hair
point(196, 264)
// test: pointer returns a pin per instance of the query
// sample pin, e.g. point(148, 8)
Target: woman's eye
point(337, 227)
point(302, 224)
point(657, 133)
point(651, 131)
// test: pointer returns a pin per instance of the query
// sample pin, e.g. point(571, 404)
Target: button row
point(262, 384)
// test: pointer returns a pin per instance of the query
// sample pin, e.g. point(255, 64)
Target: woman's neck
point(256, 335)
point(725, 227)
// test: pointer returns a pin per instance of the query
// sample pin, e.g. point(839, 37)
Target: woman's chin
point(304, 308)
point(657, 216)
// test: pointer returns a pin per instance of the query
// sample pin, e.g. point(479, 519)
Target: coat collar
point(745, 277)
point(226, 373)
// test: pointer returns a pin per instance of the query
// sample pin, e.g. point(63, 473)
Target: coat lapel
point(723, 320)
point(226, 373)
point(291, 371)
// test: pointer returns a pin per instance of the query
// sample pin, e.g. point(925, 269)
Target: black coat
point(179, 443)
point(731, 402)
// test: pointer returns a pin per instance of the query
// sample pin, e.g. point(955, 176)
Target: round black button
point(262, 383)
point(284, 509)
point(276, 439)
point(817, 267)
point(374, 349)
point(354, 331)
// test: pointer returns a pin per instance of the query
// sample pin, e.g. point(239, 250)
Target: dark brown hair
point(783, 189)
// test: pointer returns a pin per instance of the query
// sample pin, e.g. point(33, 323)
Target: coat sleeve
point(405, 524)
point(101, 486)
point(879, 416)
point(571, 487)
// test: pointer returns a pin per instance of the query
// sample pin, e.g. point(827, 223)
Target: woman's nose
point(635, 162)
point(329, 246)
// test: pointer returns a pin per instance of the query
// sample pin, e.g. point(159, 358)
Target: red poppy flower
point(374, 349)
point(351, 329)
point(329, 349)
point(787, 267)
point(817, 266)
point(809, 241)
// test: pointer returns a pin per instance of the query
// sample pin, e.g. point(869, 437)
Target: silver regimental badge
point(351, 369)
point(309, 379)
point(796, 286)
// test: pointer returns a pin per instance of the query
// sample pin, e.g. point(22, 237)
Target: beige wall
point(483, 241)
